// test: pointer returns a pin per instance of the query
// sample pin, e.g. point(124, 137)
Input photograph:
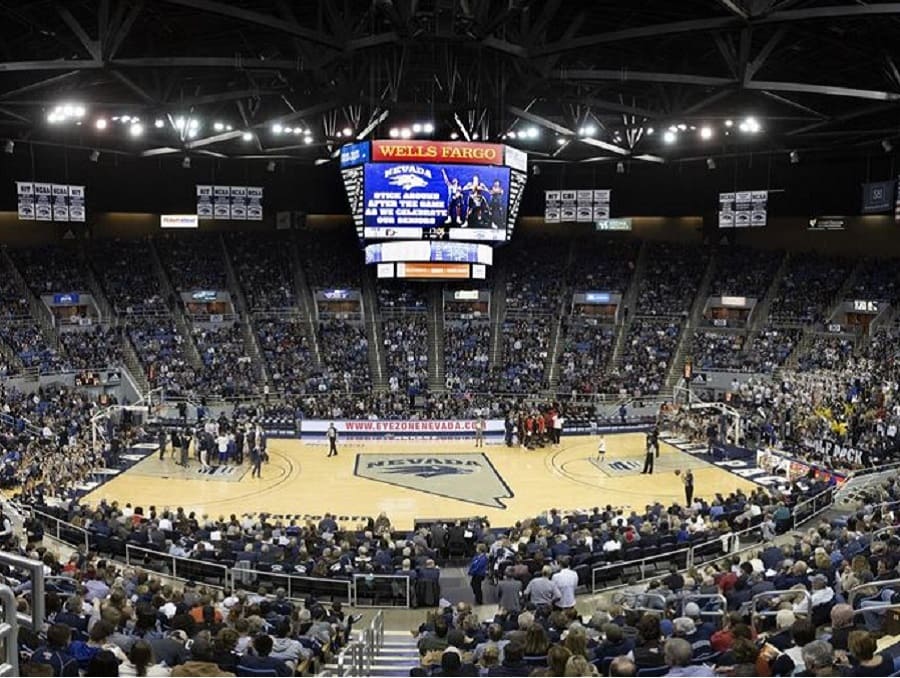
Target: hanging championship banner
point(25, 192)
point(254, 203)
point(43, 210)
point(60, 202)
point(76, 203)
point(221, 202)
point(204, 202)
point(239, 203)
point(551, 207)
point(743, 209)
point(601, 200)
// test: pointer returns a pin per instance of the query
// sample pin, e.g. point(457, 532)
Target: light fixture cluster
point(278, 129)
point(527, 133)
point(408, 132)
point(67, 113)
point(748, 125)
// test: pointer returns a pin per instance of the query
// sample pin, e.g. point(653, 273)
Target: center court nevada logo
point(466, 477)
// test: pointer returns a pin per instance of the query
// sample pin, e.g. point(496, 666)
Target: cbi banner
point(41, 201)
point(465, 152)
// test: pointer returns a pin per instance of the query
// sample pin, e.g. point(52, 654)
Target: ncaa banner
point(25, 194)
point(60, 202)
point(239, 203)
point(204, 202)
point(43, 210)
point(76, 203)
point(254, 203)
point(222, 202)
point(465, 152)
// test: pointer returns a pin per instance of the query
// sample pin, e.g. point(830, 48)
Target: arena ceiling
point(566, 80)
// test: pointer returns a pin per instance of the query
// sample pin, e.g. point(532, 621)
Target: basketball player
point(332, 435)
point(479, 432)
point(601, 450)
point(455, 206)
point(498, 218)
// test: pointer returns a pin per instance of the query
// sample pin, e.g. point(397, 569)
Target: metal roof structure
point(566, 80)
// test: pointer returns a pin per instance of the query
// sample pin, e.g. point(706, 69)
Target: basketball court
point(421, 479)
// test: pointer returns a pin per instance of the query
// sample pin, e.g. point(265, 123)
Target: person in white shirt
point(601, 450)
point(566, 581)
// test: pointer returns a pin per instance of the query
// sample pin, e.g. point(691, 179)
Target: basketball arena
point(449, 338)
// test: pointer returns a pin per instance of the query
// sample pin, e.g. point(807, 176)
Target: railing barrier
point(9, 633)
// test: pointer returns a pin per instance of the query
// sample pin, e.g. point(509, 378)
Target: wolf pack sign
point(465, 477)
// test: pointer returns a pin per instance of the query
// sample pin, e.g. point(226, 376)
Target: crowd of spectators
point(744, 271)
point(809, 288)
point(826, 351)
point(647, 356)
point(286, 350)
point(875, 280)
point(405, 341)
point(345, 358)
point(193, 262)
point(466, 355)
point(330, 261)
point(771, 347)
point(535, 278)
point(672, 276)
point(51, 269)
point(13, 299)
point(94, 347)
point(125, 271)
point(587, 348)
point(160, 348)
point(227, 368)
point(603, 265)
point(264, 269)
point(525, 345)
point(28, 343)
point(720, 351)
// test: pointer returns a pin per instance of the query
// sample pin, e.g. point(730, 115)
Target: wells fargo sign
point(438, 151)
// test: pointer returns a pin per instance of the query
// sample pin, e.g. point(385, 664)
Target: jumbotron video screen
point(435, 190)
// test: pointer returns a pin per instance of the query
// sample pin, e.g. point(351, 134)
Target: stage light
point(125, 118)
point(669, 137)
point(706, 132)
point(454, 135)
point(247, 136)
point(650, 131)
point(795, 157)
point(9, 147)
point(193, 123)
point(561, 141)
point(394, 133)
point(710, 163)
point(277, 128)
point(307, 140)
point(348, 132)
point(101, 123)
point(186, 163)
point(682, 126)
point(475, 136)
point(179, 123)
point(416, 128)
point(136, 129)
point(428, 128)
point(750, 125)
point(218, 126)
point(192, 133)
point(52, 118)
point(94, 156)
point(298, 131)
point(533, 133)
point(405, 133)
point(79, 111)
point(159, 123)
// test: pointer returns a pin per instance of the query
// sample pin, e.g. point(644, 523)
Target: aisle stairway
point(397, 656)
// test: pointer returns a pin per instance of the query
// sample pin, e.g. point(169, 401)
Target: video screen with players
point(434, 190)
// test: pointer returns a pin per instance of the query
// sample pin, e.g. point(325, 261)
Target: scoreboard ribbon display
point(438, 199)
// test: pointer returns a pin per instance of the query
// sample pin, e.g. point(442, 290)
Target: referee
point(332, 435)
point(688, 480)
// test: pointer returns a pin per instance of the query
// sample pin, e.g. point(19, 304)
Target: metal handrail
point(9, 633)
point(159, 555)
point(639, 562)
point(755, 611)
point(373, 577)
point(852, 594)
point(796, 516)
point(59, 523)
point(35, 620)
point(699, 598)
point(237, 572)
